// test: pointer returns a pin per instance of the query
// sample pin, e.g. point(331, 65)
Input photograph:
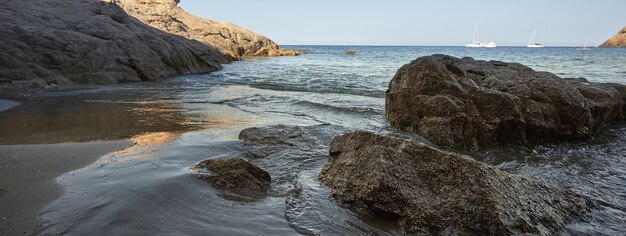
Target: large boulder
point(235, 174)
point(47, 42)
point(430, 191)
point(468, 104)
point(617, 41)
point(231, 39)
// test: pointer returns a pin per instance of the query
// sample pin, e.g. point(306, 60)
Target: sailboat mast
point(474, 34)
point(531, 41)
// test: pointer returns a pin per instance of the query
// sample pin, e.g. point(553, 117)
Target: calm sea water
point(326, 69)
point(150, 188)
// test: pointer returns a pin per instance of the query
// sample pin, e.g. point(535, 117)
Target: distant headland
point(617, 41)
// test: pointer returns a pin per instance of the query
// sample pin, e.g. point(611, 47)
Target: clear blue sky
point(405, 22)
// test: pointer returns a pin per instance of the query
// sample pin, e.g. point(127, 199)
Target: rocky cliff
point(617, 41)
point(49, 42)
point(233, 40)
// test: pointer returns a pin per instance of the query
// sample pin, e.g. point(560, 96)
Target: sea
point(152, 189)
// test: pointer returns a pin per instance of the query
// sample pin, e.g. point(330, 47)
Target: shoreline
point(28, 178)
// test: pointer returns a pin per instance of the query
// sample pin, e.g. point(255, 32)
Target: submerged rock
point(235, 174)
point(58, 42)
point(231, 39)
point(617, 41)
point(435, 192)
point(261, 142)
point(468, 104)
point(288, 151)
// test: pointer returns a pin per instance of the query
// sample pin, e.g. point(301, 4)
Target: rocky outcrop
point(435, 192)
point(233, 40)
point(468, 104)
point(235, 174)
point(617, 41)
point(50, 42)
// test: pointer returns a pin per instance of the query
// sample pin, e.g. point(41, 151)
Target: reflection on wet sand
point(8, 104)
point(145, 143)
point(225, 118)
point(68, 119)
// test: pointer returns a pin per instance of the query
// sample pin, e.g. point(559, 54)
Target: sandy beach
point(28, 178)
point(41, 140)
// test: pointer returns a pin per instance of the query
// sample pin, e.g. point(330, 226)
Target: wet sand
point(67, 119)
point(28, 178)
point(47, 134)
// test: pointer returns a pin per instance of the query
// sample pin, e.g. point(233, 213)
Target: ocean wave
point(314, 89)
point(356, 110)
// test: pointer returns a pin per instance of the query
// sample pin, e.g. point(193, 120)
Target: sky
point(405, 22)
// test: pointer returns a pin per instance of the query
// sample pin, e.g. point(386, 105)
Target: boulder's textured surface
point(468, 104)
point(617, 41)
point(233, 40)
point(48, 42)
point(235, 174)
point(435, 192)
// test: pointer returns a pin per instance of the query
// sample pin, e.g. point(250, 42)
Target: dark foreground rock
point(59, 42)
point(235, 174)
point(434, 192)
point(467, 103)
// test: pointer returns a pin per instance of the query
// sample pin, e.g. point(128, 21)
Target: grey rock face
point(49, 42)
point(468, 104)
point(433, 192)
point(232, 40)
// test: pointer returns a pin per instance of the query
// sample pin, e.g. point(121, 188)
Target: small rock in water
point(433, 192)
point(350, 53)
point(235, 174)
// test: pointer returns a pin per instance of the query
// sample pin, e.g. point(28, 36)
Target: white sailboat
point(476, 44)
point(532, 43)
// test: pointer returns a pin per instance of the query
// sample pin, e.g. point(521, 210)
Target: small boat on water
point(481, 45)
point(532, 43)
point(476, 44)
point(582, 48)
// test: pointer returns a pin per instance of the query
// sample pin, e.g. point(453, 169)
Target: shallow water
point(150, 188)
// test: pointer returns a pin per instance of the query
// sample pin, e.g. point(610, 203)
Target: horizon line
point(400, 45)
